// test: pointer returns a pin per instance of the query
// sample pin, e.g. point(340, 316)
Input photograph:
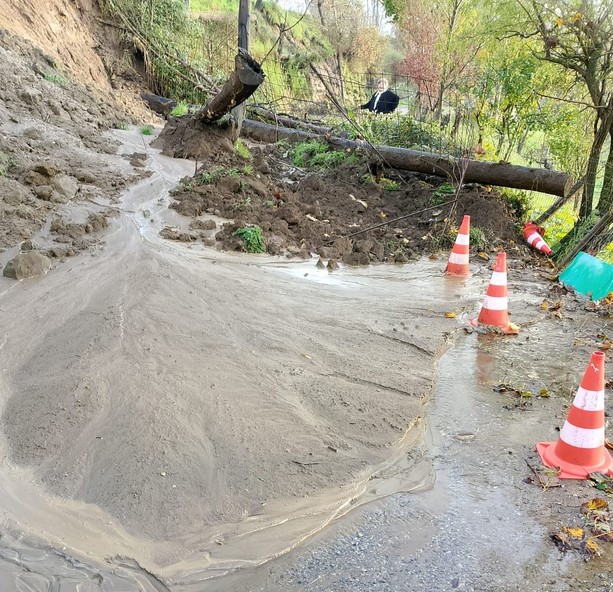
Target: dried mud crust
point(322, 212)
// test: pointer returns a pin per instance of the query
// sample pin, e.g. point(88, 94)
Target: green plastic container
point(588, 275)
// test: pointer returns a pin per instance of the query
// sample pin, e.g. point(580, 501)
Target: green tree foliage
point(441, 39)
point(577, 35)
point(168, 42)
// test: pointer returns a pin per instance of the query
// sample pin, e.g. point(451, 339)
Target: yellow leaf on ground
point(450, 315)
point(576, 533)
point(597, 503)
point(591, 547)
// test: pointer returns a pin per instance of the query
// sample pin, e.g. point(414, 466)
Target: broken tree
point(182, 136)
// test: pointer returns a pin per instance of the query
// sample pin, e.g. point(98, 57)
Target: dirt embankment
point(55, 100)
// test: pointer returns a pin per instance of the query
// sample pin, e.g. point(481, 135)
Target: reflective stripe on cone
point(495, 309)
point(580, 449)
point(459, 257)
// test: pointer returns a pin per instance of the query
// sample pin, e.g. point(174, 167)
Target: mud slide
point(171, 413)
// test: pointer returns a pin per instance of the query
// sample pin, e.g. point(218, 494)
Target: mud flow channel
point(172, 414)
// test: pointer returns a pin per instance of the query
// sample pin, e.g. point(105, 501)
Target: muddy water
point(480, 526)
point(43, 532)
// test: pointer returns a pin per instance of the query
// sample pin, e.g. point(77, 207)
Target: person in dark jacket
point(384, 100)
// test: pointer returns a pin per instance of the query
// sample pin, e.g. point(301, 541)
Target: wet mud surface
point(262, 429)
point(483, 525)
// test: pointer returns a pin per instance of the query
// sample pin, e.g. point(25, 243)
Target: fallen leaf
point(360, 201)
point(465, 436)
point(602, 482)
point(483, 255)
point(596, 503)
point(450, 315)
point(544, 393)
point(608, 444)
point(574, 532)
point(545, 305)
point(592, 549)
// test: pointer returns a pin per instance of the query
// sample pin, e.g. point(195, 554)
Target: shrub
point(252, 239)
point(180, 109)
point(242, 150)
point(519, 202)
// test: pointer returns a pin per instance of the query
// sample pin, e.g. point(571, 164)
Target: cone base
point(461, 273)
point(509, 329)
point(547, 452)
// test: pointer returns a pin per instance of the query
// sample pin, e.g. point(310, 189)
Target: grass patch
point(6, 162)
point(147, 130)
point(180, 109)
point(253, 239)
point(242, 150)
point(57, 79)
point(316, 154)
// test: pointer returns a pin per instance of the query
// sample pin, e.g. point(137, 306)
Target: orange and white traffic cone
point(534, 235)
point(495, 309)
point(458, 260)
point(580, 449)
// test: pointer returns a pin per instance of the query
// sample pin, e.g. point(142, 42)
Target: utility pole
point(238, 113)
point(243, 25)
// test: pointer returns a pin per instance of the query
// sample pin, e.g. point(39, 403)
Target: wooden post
point(243, 25)
point(238, 113)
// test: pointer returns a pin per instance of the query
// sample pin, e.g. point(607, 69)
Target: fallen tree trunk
point(243, 82)
point(501, 174)
point(287, 121)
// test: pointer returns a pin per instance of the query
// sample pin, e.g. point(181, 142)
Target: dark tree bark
point(605, 204)
point(243, 82)
point(471, 171)
point(238, 112)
